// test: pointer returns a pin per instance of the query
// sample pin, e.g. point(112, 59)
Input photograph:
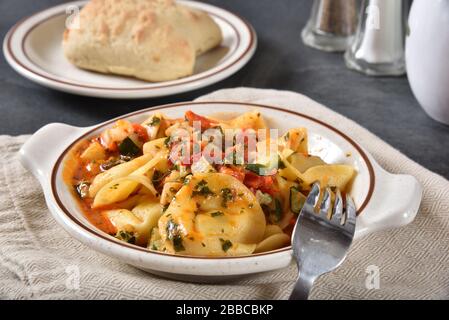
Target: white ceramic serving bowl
point(383, 200)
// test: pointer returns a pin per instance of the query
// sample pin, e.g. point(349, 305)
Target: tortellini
point(214, 215)
point(134, 182)
point(137, 222)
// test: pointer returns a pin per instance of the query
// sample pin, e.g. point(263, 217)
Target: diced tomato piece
point(262, 183)
point(235, 171)
point(141, 132)
point(205, 122)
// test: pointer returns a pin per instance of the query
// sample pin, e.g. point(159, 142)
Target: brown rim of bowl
point(183, 81)
point(151, 109)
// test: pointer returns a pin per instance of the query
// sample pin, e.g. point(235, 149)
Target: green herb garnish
point(114, 187)
point(202, 189)
point(225, 244)
point(226, 195)
point(126, 236)
point(217, 214)
point(174, 235)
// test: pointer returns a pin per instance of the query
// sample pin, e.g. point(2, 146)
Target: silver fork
point(321, 240)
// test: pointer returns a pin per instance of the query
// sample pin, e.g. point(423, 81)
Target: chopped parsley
point(202, 189)
point(126, 236)
point(217, 214)
point(114, 187)
point(225, 244)
point(226, 195)
point(174, 235)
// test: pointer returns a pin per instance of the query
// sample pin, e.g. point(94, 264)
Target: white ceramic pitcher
point(427, 56)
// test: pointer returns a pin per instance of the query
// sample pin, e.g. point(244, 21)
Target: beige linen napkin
point(38, 260)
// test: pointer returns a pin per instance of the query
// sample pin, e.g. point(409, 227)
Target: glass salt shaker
point(378, 47)
point(332, 25)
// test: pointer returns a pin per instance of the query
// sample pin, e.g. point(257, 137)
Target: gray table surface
point(385, 106)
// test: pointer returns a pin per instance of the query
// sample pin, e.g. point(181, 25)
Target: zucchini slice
point(297, 200)
point(129, 148)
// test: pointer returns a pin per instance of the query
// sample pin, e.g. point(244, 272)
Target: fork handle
point(302, 288)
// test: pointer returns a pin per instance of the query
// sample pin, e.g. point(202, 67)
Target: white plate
point(33, 48)
point(383, 200)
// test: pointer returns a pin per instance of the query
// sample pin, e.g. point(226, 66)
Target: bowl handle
point(394, 203)
point(39, 153)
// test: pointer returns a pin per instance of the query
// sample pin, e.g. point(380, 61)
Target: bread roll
point(153, 40)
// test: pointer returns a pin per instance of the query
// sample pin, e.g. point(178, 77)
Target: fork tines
point(343, 211)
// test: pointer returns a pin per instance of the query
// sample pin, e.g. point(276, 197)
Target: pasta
point(199, 186)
